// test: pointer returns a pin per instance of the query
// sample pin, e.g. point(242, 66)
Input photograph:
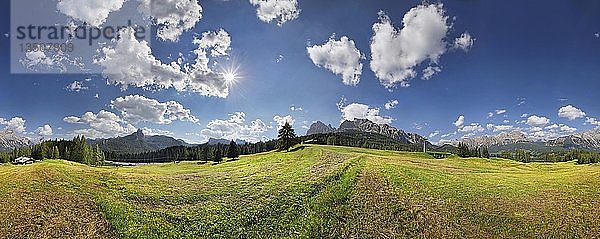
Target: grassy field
point(312, 192)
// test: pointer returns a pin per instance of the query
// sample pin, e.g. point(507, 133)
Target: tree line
point(203, 152)
point(580, 156)
point(206, 152)
point(464, 151)
point(76, 150)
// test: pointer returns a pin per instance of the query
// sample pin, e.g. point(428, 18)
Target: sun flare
point(231, 75)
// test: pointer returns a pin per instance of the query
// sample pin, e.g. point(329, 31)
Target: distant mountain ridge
point(9, 140)
point(213, 141)
point(588, 140)
point(367, 126)
point(137, 143)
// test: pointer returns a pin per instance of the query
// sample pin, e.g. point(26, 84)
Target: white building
point(23, 160)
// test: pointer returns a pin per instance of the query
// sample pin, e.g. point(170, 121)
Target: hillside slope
point(310, 192)
point(137, 143)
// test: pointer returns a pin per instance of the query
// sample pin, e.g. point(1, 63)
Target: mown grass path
point(311, 192)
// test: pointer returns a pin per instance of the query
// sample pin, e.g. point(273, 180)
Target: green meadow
point(310, 192)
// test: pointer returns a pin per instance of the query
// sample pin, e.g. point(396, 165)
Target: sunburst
point(231, 75)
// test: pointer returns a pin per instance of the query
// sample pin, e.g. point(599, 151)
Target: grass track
point(316, 191)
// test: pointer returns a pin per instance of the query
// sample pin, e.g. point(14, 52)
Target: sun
point(231, 75)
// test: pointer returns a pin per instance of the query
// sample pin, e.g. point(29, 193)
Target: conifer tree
point(286, 138)
point(233, 151)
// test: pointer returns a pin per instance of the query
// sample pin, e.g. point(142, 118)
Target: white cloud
point(552, 126)
point(16, 124)
point(101, 125)
point(76, 86)
point(391, 104)
point(360, 111)
point(597, 34)
point(537, 121)
point(235, 128)
point(151, 131)
point(294, 108)
point(280, 11)
point(592, 121)
point(460, 121)
point(45, 130)
point(472, 128)
point(464, 42)
point(430, 71)
point(500, 111)
point(281, 120)
point(490, 114)
point(131, 63)
point(94, 12)
point(279, 58)
point(172, 17)
point(340, 57)
point(396, 52)
point(524, 115)
point(498, 128)
point(570, 112)
point(567, 129)
point(433, 134)
point(136, 108)
point(55, 62)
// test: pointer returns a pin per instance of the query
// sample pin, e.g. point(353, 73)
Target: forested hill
point(137, 143)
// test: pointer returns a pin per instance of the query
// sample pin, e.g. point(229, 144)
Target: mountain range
point(588, 140)
point(137, 143)
point(9, 140)
point(367, 126)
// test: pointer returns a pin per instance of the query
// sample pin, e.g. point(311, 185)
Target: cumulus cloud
point(76, 86)
point(360, 111)
point(45, 130)
point(101, 125)
point(391, 104)
point(93, 12)
point(460, 121)
point(472, 128)
point(570, 112)
point(396, 52)
point(137, 108)
point(172, 17)
point(430, 71)
point(236, 128)
point(280, 11)
point(16, 124)
point(281, 120)
point(433, 134)
point(130, 63)
point(151, 131)
point(464, 42)
point(567, 129)
point(537, 121)
point(592, 121)
point(340, 57)
point(500, 111)
point(499, 128)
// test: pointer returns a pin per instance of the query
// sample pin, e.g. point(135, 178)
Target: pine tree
point(233, 151)
point(463, 150)
point(205, 153)
point(286, 138)
point(218, 156)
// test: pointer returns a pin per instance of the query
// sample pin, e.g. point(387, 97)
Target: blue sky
point(527, 58)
